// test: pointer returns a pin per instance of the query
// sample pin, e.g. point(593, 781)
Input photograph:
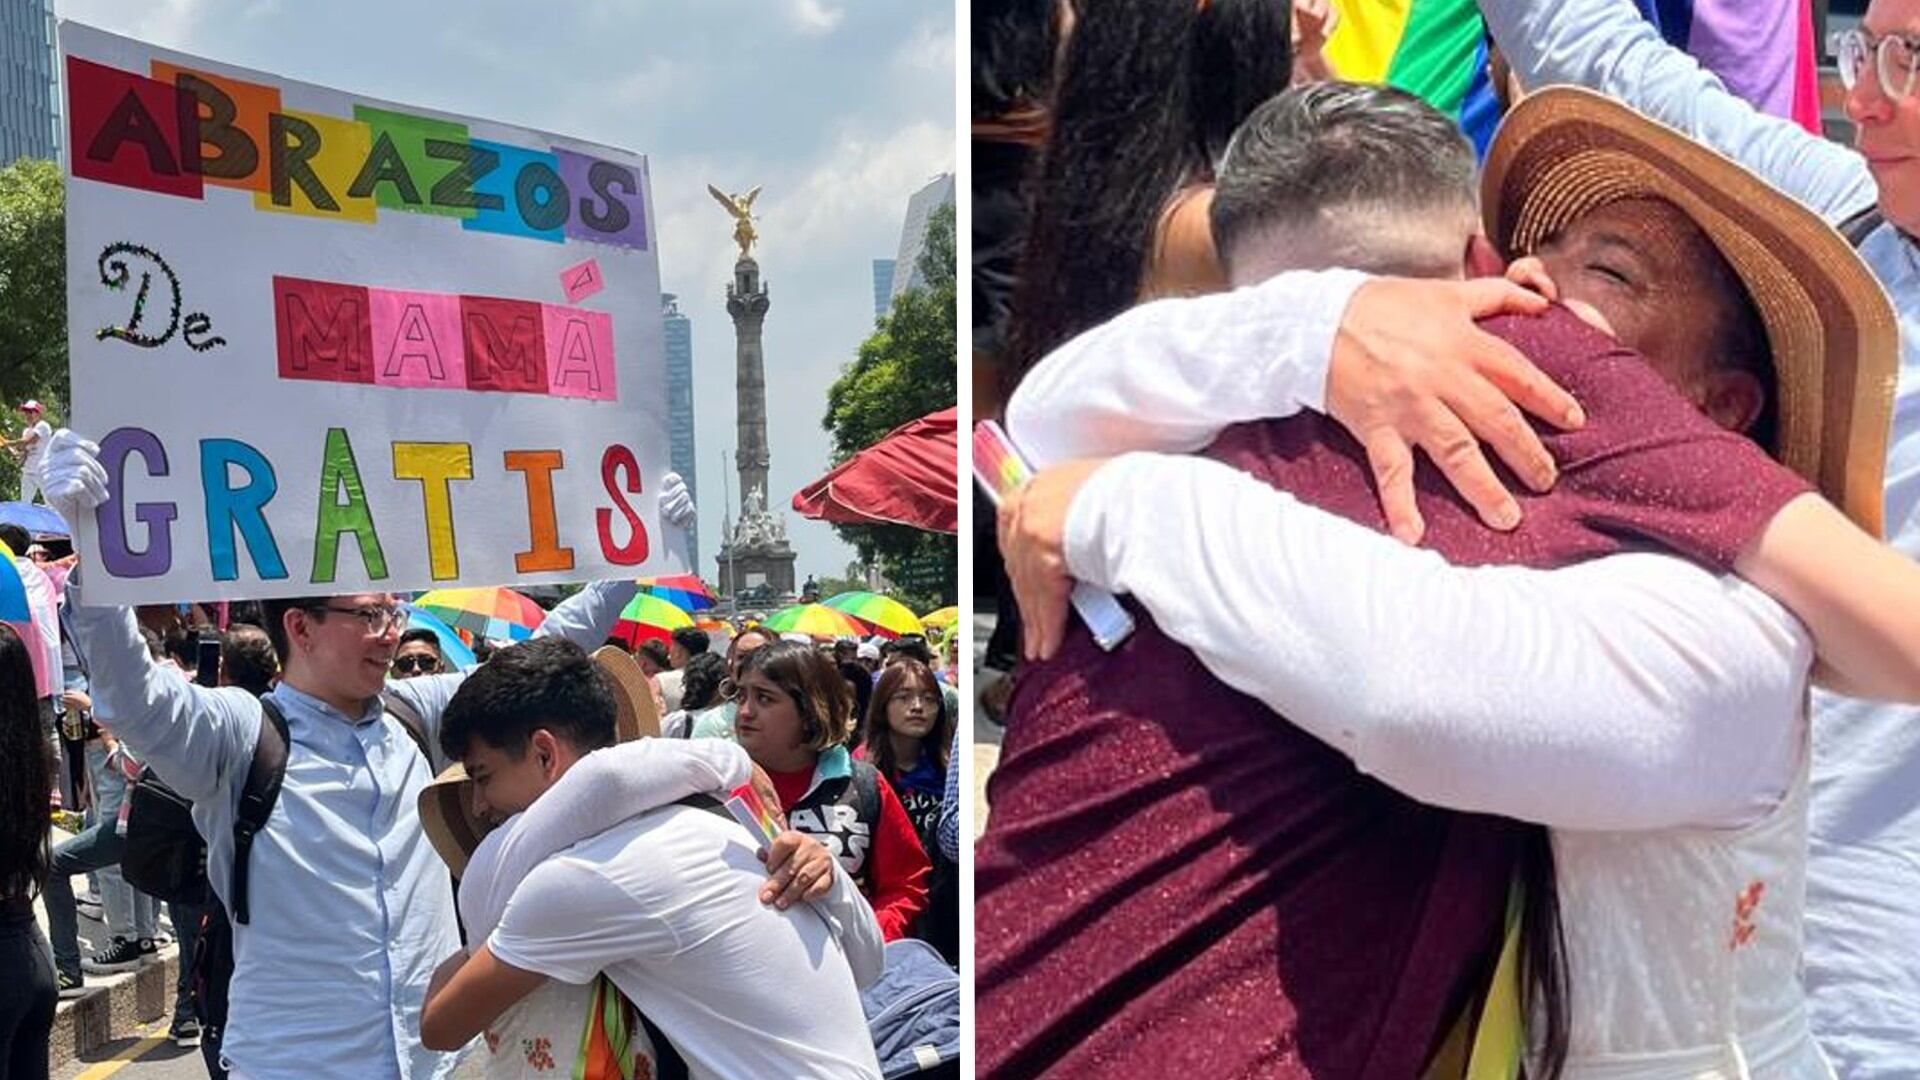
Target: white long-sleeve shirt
point(1862, 964)
point(1579, 700)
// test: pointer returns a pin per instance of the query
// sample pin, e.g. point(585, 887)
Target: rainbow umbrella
point(494, 613)
point(946, 616)
point(814, 620)
point(718, 629)
point(456, 650)
point(684, 591)
point(883, 614)
point(648, 617)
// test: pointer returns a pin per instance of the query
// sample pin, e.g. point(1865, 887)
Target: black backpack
point(166, 858)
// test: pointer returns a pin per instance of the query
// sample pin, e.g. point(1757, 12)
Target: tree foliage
point(906, 369)
point(33, 296)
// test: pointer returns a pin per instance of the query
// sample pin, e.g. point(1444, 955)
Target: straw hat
point(446, 804)
point(1564, 151)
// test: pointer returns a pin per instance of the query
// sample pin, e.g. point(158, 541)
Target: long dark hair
point(1013, 48)
point(1543, 960)
point(26, 774)
point(905, 675)
point(1147, 96)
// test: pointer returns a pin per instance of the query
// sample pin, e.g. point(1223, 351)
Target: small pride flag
point(745, 806)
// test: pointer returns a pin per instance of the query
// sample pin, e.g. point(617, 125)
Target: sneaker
point(161, 940)
point(122, 955)
point(185, 1032)
point(71, 986)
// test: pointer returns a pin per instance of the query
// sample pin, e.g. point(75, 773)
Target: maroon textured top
point(1174, 881)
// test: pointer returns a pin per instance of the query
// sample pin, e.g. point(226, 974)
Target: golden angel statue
point(741, 207)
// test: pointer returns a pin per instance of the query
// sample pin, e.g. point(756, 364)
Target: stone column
point(747, 304)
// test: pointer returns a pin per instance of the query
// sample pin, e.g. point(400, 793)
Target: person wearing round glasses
point(1862, 960)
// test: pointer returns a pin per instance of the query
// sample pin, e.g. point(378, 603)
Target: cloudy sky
point(840, 109)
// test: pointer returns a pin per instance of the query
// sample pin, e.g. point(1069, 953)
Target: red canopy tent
point(911, 477)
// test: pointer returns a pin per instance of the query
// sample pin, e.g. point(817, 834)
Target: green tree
point(905, 370)
point(33, 297)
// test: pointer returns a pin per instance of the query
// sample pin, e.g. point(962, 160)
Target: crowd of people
point(599, 911)
point(1485, 523)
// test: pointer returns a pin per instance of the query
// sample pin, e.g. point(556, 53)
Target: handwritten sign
point(314, 335)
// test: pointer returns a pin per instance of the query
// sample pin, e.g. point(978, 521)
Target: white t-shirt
point(667, 904)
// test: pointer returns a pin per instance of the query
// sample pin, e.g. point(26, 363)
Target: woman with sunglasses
point(794, 718)
point(909, 734)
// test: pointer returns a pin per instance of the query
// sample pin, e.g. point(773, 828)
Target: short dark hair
point(546, 683)
point(1325, 158)
point(275, 613)
point(184, 647)
point(654, 650)
point(15, 538)
point(247, 658)
point(693, 639)
point(700, 681)
point(425, 637)
point(913, 645)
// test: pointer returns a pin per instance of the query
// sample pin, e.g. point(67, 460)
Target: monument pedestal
point(752, 566)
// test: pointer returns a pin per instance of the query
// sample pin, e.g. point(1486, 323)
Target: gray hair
point(1344, 174)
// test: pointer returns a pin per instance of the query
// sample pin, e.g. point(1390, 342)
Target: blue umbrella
point(39, 520)
point(456, 651)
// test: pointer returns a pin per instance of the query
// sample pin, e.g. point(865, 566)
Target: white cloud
point(164, 22)
point(815, 17)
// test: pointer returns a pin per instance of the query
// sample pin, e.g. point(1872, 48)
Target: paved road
point(154, 1058)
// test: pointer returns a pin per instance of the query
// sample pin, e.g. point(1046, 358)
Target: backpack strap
point(703, 801)
point(257, 797)
point(401, 709)
point(866, 792)
point(1856, 228)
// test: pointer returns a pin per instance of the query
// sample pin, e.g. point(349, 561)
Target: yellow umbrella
point(946, 616)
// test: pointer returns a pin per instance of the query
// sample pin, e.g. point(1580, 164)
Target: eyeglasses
point(377, 620)
point(925, 697)
point(417, 664)
point(1895, 60)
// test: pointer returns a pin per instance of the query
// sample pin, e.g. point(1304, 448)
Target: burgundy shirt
point(1174, 881)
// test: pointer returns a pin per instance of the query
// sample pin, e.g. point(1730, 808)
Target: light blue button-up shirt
point(1863, 924)
point(351, 909)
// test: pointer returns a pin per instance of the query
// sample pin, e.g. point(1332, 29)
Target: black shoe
point(185, 1032)
point(71, 986)
point(150, 947)
point(122, 955)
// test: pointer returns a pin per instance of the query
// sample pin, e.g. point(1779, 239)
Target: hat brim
point(446, 803)
point(1565, 151)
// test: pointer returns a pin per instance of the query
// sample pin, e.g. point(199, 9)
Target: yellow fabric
point(1500, 1038)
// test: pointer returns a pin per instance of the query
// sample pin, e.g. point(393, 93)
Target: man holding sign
point(372, 297)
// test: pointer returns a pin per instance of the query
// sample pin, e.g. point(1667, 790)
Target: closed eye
point(1611, 274)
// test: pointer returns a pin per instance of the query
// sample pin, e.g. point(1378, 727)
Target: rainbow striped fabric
point(1762, 49)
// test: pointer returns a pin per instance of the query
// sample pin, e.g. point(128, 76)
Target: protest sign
point(327, 344)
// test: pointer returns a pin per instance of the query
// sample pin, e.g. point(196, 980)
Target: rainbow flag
point(1437, 49)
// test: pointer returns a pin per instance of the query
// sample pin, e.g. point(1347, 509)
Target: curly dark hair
point(26, 774)
point(700, 681)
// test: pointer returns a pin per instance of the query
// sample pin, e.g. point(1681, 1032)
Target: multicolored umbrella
point(946, 616)
point(648, 617)
point(717, 629)
point(814, 620)
point(494, 613)
point(452, 647)
point(684, 591)
point(883, 614)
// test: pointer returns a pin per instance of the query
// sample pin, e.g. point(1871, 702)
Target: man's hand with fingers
point(1409, 370)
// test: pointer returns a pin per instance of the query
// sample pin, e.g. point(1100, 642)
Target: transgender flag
point(1762, 49)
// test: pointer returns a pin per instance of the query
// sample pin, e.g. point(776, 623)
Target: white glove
point(69, 473)
point(676, 502)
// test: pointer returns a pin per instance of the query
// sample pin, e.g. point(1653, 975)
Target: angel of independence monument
point(753, 550)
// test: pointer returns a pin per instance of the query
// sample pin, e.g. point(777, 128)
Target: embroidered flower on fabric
point(539, 1053)
point(1744, 906)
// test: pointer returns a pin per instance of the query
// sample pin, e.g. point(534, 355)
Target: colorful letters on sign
point(330, 344)
point(350, 333)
